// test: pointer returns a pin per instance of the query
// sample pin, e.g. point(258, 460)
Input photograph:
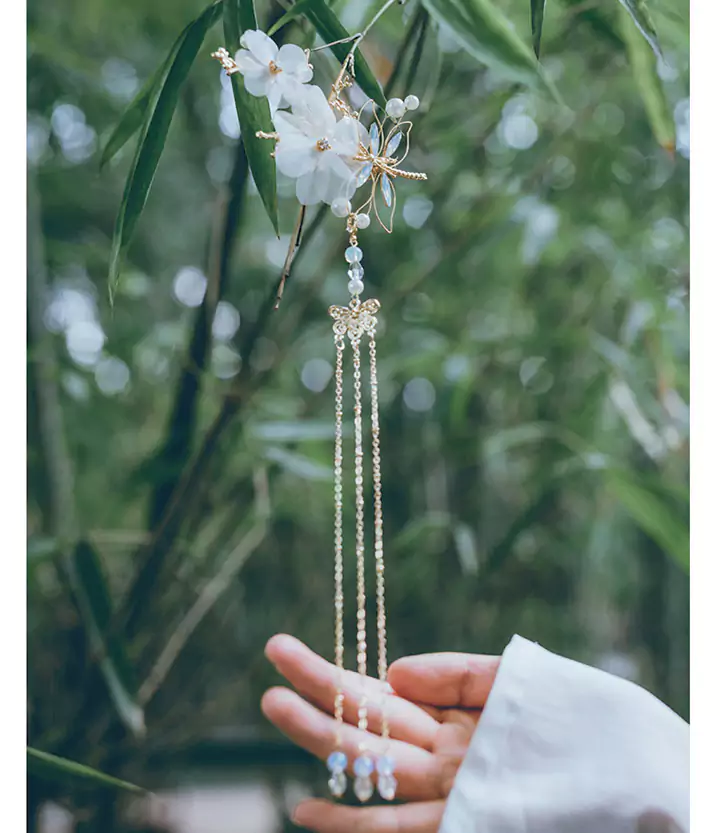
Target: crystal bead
point(337, 761)
point(363, 766)
point(356, 287)
point(412, 102)
point(387, 787)
point(353, 254)
point(362, 220)
point(356, 272)
point(395, 108)
point(363, 789)
point(340, 207)
point(337, 784)
point(385, 765)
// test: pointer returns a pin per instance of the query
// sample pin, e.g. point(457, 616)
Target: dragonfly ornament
point(381, 165)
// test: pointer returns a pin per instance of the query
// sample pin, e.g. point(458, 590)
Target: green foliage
point(537, 14)
point(487, 35)
point(159, 111)
point(253, 113)
point(644, 65)
point(638, 11)
point(52, 768)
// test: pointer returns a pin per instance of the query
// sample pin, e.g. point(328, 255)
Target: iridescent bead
point(385, 765)
point(356, 286)
point(363, 789)
point(362, 220)
point(337, 761)
point(337, 784)
point(356, 272)
point(353, 254)
point(412, 102)
point(395, 108)
point(363, 766)
point(387, 787)
point(340, 207)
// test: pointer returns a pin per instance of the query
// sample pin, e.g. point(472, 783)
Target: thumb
point(446, 680)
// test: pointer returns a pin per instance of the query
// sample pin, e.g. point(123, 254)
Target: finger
point(325, 817)
point(316, 680)
point(417, 770)
point(454, 680)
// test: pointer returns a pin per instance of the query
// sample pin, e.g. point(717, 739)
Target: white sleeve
point(564, 748)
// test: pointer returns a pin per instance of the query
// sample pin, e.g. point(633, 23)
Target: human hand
point(432, 710)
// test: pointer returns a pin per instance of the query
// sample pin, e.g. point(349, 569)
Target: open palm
point(434, 703)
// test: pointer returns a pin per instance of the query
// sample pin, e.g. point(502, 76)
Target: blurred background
point(533, 381)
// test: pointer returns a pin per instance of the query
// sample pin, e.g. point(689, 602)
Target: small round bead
point(412, 102)
point(385, 765)
point(362, 220)
point(356, 287)
point(356, 272)
point(363, 766)
point(337, 761)
point(340, 207)
point(395, 108)
point(353, 254)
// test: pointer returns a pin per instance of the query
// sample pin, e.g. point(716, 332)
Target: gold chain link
point(378, 521)
point(339, 635)
point(360, 534)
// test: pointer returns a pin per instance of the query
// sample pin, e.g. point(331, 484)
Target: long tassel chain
point(354, 321)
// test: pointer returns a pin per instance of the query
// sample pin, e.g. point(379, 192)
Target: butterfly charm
point(357, 318)
point(380, 164)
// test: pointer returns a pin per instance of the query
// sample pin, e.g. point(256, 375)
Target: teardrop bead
point(363, 788)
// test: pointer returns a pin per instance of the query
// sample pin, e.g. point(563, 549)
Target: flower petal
point(292, 89)
point(309, 188)
point(257, 85)
point(292, 59)
point(314, 108)
point(295, 156)
point(249, 64)
point(274, 93)
point(346, 137)
point(262, 47)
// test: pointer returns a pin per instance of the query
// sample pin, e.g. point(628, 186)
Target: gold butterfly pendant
point(355, 319)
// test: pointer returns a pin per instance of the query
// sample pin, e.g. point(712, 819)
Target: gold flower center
point(322, 144)
point(274, 68)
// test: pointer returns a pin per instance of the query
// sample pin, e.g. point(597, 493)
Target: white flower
point(318, 150)
point(268, 71)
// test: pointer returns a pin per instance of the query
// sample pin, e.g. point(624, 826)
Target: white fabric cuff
point(564, 748)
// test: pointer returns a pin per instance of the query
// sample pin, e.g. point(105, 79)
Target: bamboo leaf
point(135, 114)
point(298, 464)
point(253, 113)
point(657, 517)
point(293, 12)
point(96, 608)
point(153, 135)
point(537, 14)
point(486, 34)
point(53, 768)
point(643, 62)
point(638, 11)
point(328, 26)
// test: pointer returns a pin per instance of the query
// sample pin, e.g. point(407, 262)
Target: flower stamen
point(274, 68)
point(323, 144)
